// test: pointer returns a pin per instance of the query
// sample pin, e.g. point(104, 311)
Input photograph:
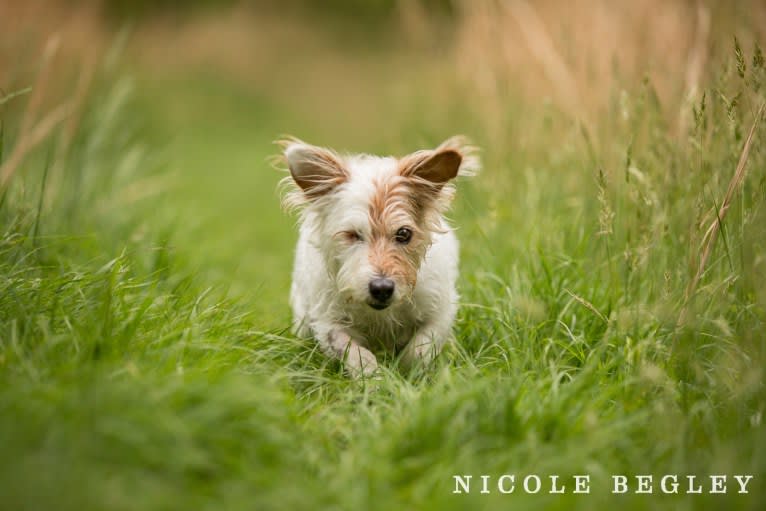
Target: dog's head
point(375, 216)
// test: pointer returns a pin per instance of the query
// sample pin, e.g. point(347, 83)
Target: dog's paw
point(418, 352)
point(360, 362)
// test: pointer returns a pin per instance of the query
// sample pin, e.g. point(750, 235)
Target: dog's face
point(375, 216)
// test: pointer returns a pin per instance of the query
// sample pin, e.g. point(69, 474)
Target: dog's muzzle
point(381, 292)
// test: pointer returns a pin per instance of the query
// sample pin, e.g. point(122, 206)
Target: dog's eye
point(351, 236)
point(403, 235)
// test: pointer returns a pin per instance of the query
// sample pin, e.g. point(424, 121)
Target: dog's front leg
point(358, 360)
point(424, 345)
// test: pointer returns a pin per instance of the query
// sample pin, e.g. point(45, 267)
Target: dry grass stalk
point(32, 132)
point(711, 235)
point(32, 139)
point(41, 85)
point(541, 44)
point(585, 303)
point(696, 63)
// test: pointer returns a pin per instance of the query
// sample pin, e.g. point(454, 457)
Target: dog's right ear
point(315, 170)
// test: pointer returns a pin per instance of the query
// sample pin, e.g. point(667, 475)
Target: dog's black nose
point(381, 289)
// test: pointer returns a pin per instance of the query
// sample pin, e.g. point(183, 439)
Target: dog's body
point(376, 262)
point(320, 311)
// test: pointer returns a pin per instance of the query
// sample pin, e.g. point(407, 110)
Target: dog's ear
point(314, 169)
point(437, 167)
point(452, 158)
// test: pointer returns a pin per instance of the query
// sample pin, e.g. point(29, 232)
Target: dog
point(376, 262)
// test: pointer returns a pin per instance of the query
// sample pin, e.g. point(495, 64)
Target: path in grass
point(222, 199)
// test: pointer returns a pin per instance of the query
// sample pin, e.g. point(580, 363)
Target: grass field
point(145, 356)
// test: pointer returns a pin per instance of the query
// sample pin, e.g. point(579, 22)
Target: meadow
point(613, 259)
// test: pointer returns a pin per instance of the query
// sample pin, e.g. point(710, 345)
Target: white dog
point(376, 262)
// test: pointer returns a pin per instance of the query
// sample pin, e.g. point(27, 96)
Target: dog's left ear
point(452, 158)
point(436, 167)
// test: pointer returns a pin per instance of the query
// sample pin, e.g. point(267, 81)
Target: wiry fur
point(351, 208)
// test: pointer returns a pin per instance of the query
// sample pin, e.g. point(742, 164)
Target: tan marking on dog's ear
point(315, 170)
point(436, 167)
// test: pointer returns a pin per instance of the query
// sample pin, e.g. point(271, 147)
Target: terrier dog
point(376, 262)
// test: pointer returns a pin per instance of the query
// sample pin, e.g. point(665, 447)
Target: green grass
point(145, 361)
